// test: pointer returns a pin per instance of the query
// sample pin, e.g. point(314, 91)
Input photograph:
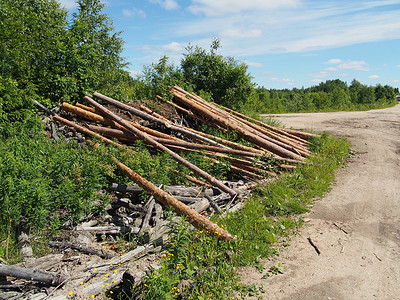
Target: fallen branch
point(31, 274)
point(315, 246)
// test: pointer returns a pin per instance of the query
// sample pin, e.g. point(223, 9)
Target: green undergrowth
point(45, 183)
point(197, 266)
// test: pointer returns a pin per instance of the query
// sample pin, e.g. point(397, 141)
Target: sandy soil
point(356, 226)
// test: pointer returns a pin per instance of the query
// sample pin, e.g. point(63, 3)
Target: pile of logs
point(130, 215)
point(286, 148)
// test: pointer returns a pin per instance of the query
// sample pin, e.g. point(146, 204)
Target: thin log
point(303, 135)
point(151, 112)
point(192, 115)
point(207, 147)
point(31, 274)
point(193, 179)
point(151, 118)
point(92, 115)
point(230, 144)
point(81, 248)
point(272, 128)
point(161, 147)
point(234, 126)
point(194, 217)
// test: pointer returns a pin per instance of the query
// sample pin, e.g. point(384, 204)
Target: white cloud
point(341, 65)
point(223, 7)
point(173, 47)
point(316, 80)
point(373, 76)
point(68, 4)
point(134, 12)
point(166, 4)
point(354, 65)
point(398, 66)
point(294, 26)
point(333, 61)
point(288, 81)
point(253, 64)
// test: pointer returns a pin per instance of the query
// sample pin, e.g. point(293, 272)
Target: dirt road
point(356, 226)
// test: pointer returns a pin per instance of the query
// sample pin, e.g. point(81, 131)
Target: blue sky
point(285, 43)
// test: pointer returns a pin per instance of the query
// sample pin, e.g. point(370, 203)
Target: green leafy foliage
point(52, 60)
point(224, 78)
point(331, 95)
point(39, 177)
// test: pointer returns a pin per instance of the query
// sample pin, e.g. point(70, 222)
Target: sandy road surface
point(356, 226)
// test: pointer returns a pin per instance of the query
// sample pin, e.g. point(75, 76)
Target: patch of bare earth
point(356, 226)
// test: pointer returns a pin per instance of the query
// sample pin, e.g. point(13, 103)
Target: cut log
point(31, 274)
point(234, 126)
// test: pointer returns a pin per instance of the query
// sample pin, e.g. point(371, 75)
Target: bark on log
point(303, 135)
point(234, 126)
point(272, 128)
point(161, 147)
point(87, 113)
point(194, 218)
point(81, 248)
point(31, 274)
point(151, 118)
point(246, 125)
point(272, 137)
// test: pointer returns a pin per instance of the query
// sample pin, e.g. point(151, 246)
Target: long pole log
point(92, 115)
point(234, 126)
point(127, 136)
point(151, 118)
point(86, 131)
point(235, 121)
point(161, 147)
point(197, 220)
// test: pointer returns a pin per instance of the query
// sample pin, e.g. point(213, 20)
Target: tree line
point(331, 95)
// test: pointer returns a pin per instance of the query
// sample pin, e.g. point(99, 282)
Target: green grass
point(207, 267)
